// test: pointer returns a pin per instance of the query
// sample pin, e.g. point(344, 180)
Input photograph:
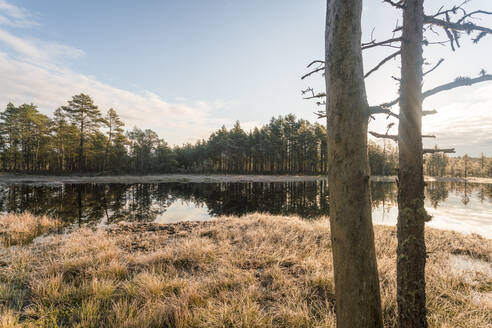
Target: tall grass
point(257, 271)
point(20, 229)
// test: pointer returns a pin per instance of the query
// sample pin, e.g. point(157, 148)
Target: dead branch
point(384, 61)
point(313, 72)
point(453, 10)
point(373, 43)
point(318, 95)
point(458, 82)
point(320, 114)
point(308, 90)
point(393, 137)
point(398, 4)
point(429, 112)
point(382, 110)
point(438, 150)
point(467, 27)
point(435, 66)
point(321, 62)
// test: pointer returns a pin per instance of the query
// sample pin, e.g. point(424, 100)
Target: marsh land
point(254, 271)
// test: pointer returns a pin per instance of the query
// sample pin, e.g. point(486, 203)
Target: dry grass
point(257, 271)
point(21, 229)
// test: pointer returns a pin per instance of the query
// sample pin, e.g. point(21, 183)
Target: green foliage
point(439, 164)
point(78, 138)
point(285, 145)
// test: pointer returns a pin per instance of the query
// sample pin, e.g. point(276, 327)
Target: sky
point(186, 67)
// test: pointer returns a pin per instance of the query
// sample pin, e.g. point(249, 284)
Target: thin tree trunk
point(411, 212)
point(81, 148)
point(107, 149)
point(358, 302)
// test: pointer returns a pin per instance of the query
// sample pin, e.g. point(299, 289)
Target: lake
point(463, 207)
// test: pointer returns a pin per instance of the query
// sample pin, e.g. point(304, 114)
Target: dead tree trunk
point(357, 294)
point(411, 254)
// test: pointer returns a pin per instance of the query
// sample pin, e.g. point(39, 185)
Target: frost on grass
point(20, 229)
point(256, 271)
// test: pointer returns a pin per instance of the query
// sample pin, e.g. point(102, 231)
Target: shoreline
point(199, 178)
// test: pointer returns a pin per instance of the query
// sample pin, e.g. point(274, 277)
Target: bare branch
point(435, 66)
point(320, 114)
point(398, 4)
point(429, 112)
point(453, 10)
point(438, 150)
point(313, 72)
point(458, 82)
point(382, 110)
point(393, 137)
point(466, 26)
point(308, 90)
point(385, 60)
point(321, 62)
point(318, 95)
point(482, 12)
point(373, 43)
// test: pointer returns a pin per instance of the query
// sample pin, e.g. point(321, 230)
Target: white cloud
point(463, 121)
point(50, 88)
point(36, 71)
point(14, 16)
point(38, 52)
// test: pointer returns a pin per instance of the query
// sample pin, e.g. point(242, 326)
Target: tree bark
point(106, 152)
point(358, 302)
point(411, 251)
point(81, 148)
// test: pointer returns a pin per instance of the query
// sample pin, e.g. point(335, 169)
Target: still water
point(457, 206)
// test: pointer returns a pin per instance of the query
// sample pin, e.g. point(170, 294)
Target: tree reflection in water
point(109, 203)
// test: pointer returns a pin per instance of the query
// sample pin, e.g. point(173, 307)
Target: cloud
point(36, 71)
point(37, 51)
point(50, 88)
point(464, 120)
point(14, 16)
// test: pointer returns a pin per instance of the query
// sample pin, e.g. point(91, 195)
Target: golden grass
point(20, 229)
point(256, 271)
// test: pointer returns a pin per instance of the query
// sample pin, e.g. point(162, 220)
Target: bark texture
point(411, 212)
point(357, 293)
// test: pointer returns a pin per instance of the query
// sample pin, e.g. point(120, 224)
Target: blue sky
point(185, 67)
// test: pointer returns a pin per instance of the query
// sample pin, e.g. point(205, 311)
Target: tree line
point(80, 138)
point(440, 164)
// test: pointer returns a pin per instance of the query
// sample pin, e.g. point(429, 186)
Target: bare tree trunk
point(106, 151)
point(411, 212)
point(81, 148)
point(358, 302)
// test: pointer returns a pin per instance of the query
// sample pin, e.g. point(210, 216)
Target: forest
point(79, 138)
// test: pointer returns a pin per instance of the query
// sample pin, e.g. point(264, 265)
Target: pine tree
point(84, 113)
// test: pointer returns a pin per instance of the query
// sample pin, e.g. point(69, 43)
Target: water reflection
point(108, 203)
point(463, 207)
point(173, 202)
